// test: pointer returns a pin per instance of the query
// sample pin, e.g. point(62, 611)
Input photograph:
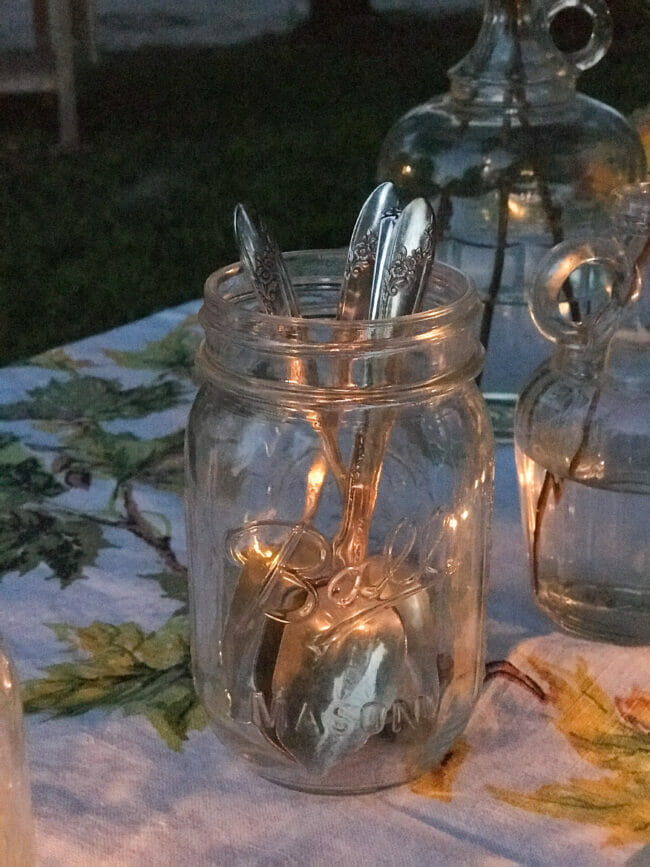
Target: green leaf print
point(58, 359)
point(122, 667)
point(172, 584)
point(7, 441)
point(89, 398)
point(172, 353)
point(23, 478)
point(124, 456)
point(65, 543)
point(24, 482)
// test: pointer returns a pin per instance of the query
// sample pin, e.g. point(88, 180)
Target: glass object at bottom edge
point(16, 824)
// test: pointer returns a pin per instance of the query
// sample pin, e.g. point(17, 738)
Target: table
point(124, 770)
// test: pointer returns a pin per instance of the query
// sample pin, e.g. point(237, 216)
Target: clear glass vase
point(339, 490)
point(516, 161)
point(582, 433)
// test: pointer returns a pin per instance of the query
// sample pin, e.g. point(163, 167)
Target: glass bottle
point(339, 490)
point(517, 161)
point(16, 830)
point(582, 433)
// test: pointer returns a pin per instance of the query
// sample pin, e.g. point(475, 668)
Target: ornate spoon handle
point(398, 291)
point(381, 205)
point(262, 259)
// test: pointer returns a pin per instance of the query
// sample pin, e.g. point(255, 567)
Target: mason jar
point(339, 493)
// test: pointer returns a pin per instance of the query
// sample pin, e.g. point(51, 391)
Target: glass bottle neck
point(526, 15)
point(514, 61)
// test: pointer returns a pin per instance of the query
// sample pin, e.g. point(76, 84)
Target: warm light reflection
point(296, 373)
point(464, 514)
point(644, 132)
point(407, 169)
point(593, 468)
point(517, 210)
point(316, 474)
point(453, 523)
point(527, 474)
point(264, 553)
point(6, 681)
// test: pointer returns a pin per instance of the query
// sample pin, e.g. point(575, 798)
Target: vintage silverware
point(385, 234)
point(263, 260)
point(397, 291)
point(351, 652)
point(409, 253)
point(352, 664)
point(266, 583)
point(327, 686)
point(378, 212)
point(279, 564)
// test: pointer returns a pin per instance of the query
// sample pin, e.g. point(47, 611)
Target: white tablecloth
point(124, 770)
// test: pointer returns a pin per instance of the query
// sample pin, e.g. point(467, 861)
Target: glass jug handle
point(574, 320)
point(601, 32)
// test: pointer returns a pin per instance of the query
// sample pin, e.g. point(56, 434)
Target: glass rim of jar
point(224, 309)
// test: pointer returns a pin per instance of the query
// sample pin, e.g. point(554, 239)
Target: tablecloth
point(124, 768)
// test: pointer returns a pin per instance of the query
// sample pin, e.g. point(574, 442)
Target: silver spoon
point(251, 637)
point(352, 650)
point(380, 208)
point(323, 686)
point(398, 291)
point(410, 251)
point(264, 263)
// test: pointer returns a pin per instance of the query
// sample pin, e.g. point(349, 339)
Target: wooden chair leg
point(63, 48)
point(83, 18)
point(41, 25)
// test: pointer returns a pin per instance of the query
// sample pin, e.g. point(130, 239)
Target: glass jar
point(339, 490)
point(16, 830)
point(517, 161)
point(582, 433)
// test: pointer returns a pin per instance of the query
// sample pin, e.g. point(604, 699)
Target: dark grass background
point(172, 139)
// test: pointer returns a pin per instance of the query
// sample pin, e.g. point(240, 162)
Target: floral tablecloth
point(124, 770)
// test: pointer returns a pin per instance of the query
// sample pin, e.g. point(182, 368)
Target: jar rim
point(317, 354)
point(220, 309)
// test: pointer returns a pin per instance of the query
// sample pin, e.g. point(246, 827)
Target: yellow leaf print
point(635, 710)
point(611, 734)
point(437, 783)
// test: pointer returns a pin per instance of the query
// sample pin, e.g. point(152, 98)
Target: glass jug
point(582, 433)
point(517, 162)
point(339, 491)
